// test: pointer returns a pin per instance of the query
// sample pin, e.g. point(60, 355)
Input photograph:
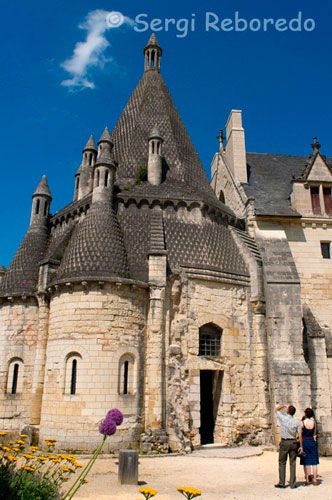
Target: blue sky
point(280, 79)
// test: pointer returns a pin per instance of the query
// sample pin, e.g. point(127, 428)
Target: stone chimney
point(155, 158)
point(235, 146)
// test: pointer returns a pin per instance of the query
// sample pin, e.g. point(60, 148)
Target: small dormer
point(312, 191)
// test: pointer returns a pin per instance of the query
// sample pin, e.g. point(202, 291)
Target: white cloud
point(90, 53)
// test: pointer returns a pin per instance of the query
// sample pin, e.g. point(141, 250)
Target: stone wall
point(101, 328)
point(243, 408)
point(316, 288)
point(18, 333)
point(222, 179)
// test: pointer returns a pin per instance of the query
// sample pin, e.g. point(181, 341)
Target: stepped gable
point(22, 275)
point(96, 249)
point(152, 106)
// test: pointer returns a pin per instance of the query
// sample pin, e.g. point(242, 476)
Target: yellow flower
point(148, 492)
point(23, 435)
point(5, 448)
point(19, 441)
point(189, 493)
point(26, 467)
point(42, 459)
point(77, 464)
point(84, 481)
point(3, 433)
point(11, 458)
point(50, 440)
point(16, 449)
point(27, 456)
point(11, 442)
point(56, 460)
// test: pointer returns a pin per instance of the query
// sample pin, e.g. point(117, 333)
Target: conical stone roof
point(90, 145)
point(22, 275)
point(43, 188)
point(151, 105)
point(96, 249)
point(106, 137)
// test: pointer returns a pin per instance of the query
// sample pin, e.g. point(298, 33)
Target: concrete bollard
point(128, 467)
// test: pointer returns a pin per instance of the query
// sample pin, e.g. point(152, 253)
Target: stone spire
point(104, 170)
point(155, 157)
point(90, 145)
point(153, 53)
point(41, 200)
point(84, 174)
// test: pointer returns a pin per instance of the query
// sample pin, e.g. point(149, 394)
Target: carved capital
point(157, 293)
point(258, 306)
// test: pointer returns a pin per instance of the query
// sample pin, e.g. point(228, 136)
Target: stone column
point(40, 359)
point(261, 366)
point(154, 366)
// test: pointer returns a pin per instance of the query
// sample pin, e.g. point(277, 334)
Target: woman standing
point(308, 445)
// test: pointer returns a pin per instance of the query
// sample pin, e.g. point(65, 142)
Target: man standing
point(289, 427)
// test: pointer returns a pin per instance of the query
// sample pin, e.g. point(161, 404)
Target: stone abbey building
point(193, 307)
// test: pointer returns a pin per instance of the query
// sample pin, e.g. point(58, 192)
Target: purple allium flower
point(107, 427)
point(115, 415)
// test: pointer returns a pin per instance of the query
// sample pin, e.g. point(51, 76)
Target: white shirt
point(289, 426)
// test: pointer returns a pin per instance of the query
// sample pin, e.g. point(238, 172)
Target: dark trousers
point(287, 449)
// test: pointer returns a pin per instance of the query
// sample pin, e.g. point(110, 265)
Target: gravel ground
point(239, 473)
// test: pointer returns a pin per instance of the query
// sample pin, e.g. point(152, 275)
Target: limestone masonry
point(194, 308)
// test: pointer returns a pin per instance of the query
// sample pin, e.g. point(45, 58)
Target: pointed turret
point(104, 170)
point(155, 157)
point(84, 174)
point(21, 277)
point(90, 145)
point(41, 200)
point(153, 53)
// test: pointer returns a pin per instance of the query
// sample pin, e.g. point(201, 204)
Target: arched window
point(222, 196)
point(45, 208)
point(97, 180)
point(106, 178)
point(15, 376)
point(209, 340)
point(126, 374)
point(72, 373)
point(153, 147)
point(37, 206)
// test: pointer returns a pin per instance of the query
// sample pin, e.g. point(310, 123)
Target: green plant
point(26, 474)
point(142, 174)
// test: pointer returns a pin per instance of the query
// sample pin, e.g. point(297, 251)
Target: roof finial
point(315, 146)
point(221, 139)
point(153, 53)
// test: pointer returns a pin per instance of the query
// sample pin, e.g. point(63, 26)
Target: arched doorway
point(210, 381)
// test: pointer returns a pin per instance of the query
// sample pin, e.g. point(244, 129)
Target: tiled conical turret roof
point(22, 274)
point(90, 145)
point(43, 188)
point(150, 106)
point(96, 249)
